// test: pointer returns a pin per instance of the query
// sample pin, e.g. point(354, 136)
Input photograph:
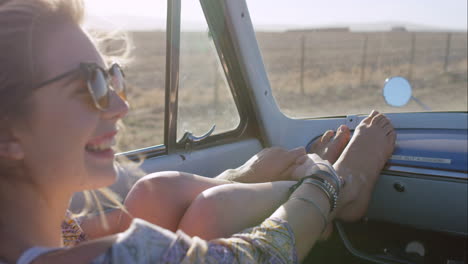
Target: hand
point(309, 164)
point(270, 164)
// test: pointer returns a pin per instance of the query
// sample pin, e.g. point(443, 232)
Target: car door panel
point(207, 162)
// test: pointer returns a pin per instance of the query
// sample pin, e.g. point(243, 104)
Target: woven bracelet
point(339, 180)
point(326, 187)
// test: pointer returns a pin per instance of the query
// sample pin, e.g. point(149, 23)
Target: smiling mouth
point(104, 145)
point(101, 147)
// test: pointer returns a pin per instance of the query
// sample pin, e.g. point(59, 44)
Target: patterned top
point(271, 242)
point(72, 234)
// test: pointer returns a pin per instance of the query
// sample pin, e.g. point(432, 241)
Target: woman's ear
point(11, 149)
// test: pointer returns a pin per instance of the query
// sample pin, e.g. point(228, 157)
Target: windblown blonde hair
point(22, 23)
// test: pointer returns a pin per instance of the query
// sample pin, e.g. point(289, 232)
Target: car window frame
point(248, 126)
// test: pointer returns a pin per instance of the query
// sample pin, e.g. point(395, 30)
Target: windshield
point(330, 58)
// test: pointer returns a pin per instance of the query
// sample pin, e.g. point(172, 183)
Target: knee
point(155, 188)
point(205, 213)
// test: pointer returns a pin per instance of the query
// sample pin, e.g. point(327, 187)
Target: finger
point(301, 159)
point(288, 172)
point(297, 152)
point(291, 156)
point(327, 136)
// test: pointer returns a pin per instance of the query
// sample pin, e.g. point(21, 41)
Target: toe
point(342, 133)
point(368, 119)
point(388, 129)
point(392, 135)
point(386, 124)
point(378, 119)
point(327, 136)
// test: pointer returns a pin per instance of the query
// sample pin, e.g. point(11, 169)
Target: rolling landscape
point(313, 73)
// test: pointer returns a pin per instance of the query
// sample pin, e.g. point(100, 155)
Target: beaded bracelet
point(324, 185)
point(338, 179)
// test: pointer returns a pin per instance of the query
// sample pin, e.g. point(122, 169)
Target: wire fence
point(337, 51)
point(311, 73)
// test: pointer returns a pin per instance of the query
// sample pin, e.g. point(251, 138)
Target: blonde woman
point(59, 106)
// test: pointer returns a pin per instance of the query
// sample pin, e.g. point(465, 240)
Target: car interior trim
point(362, 255)
point(172, 73)
point(428, 172)
point(223, 42)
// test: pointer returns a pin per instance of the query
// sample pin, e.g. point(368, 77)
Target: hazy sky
point(445, 14)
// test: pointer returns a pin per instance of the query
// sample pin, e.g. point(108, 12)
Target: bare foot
point(361, 162)
point(330, 146)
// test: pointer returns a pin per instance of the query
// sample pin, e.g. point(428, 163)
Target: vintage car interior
point(418, 213)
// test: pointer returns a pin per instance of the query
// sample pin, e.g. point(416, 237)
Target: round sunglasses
point(99, 82)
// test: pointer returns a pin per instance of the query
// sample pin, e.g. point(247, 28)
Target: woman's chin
point(101, 177)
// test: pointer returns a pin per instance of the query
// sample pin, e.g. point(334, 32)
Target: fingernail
point(373, 111)
point(300, 150)
point(340, 128)
point(301, 160)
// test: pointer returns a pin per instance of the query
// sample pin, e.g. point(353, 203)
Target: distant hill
point(134, 23)
point(380, 26)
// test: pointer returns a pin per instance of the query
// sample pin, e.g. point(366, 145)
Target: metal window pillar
point(172, 74)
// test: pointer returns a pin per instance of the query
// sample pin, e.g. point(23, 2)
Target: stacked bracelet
point(324, 185)
point(340, 182)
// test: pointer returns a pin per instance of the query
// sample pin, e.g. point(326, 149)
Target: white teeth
point(106, 144)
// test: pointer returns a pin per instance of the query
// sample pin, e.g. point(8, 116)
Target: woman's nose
point(118, 107)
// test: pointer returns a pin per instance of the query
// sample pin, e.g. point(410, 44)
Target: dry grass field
point(313, 74)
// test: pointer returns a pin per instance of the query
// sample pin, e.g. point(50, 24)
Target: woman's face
point(66, 140)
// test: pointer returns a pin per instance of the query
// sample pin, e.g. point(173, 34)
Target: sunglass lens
point(98, 84)
point(118, 81)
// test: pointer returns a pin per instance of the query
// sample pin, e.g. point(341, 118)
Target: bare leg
point(228, 209)
point(224, 210)
point(154, 197)
point(329, 147)
point(162, 198)
point(361, 162)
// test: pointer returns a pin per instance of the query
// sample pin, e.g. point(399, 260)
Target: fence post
point(303, 40)
point(364, 58)
point(413, 47)
point(447, 51)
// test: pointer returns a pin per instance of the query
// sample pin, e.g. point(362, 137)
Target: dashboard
point(418, 212)
point(425, 183)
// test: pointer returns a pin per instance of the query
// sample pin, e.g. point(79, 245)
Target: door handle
point(188, 139)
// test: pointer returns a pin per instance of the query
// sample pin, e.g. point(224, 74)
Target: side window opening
point(204, 95)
